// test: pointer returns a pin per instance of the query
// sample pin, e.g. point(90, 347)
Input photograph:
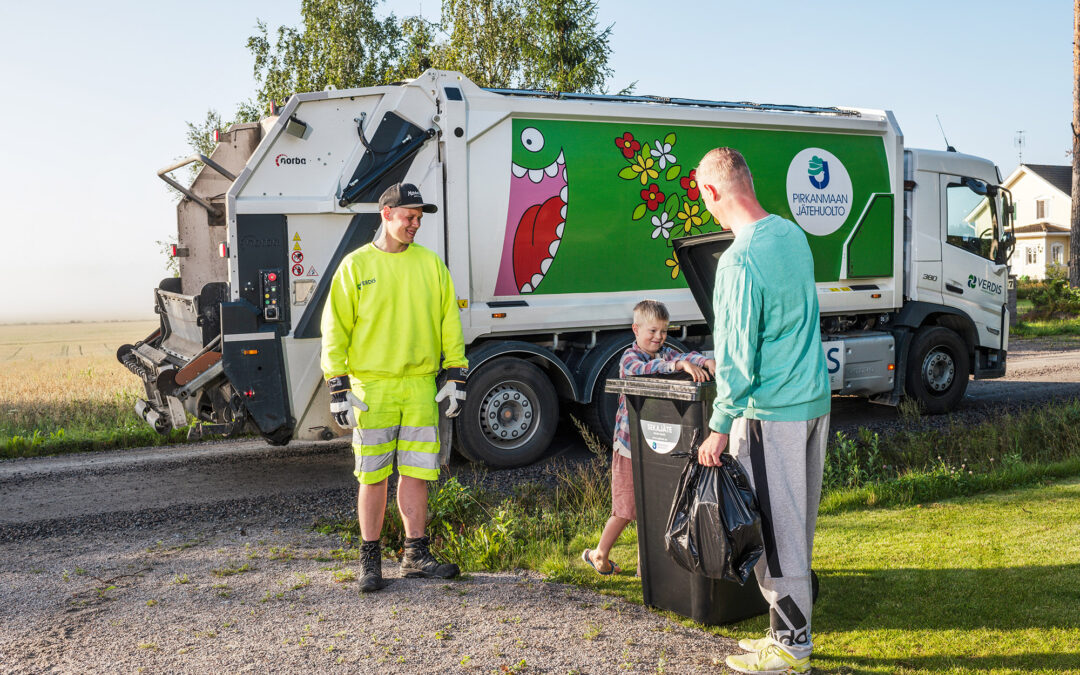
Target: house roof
point(1041, 227)
point(1057, 175)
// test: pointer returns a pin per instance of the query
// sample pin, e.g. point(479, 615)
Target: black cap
point(406, 196)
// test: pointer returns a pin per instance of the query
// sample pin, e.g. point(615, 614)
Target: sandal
point(613, 569)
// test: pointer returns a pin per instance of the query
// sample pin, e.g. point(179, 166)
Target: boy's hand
point(698, 374)
point(710, 365)
point(712, 448)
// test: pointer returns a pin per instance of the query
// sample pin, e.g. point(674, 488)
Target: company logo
point(817, 167)
point(283, 160)
point(984, 285)
point(365, 282)
point(818, 191)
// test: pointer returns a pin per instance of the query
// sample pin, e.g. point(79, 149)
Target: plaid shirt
point(636, 361)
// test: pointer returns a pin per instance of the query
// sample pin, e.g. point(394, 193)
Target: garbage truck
point(557, 212)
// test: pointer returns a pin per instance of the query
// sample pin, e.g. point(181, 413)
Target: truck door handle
point(954, 289)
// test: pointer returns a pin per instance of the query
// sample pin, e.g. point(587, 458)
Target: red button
point(271, 276)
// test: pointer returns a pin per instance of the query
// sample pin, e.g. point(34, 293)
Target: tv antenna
point(1019, 142)
point(948, 147)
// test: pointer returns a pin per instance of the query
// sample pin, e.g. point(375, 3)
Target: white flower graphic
point(662, 153)
point(662, 225)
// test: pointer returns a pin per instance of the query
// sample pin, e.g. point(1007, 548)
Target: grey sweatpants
point(784, 461)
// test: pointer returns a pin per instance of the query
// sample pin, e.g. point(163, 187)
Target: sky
point(98, 94)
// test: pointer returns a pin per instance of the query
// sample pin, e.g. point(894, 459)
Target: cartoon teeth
point(536, 175)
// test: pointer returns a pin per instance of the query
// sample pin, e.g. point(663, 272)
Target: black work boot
point(418, 561)
point(371, 578)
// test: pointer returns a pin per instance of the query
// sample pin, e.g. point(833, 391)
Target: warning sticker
point(297, 270)
point(311, 272)
point(296, 236)
point(296, 246)
point(661, 437)
point(297, 256)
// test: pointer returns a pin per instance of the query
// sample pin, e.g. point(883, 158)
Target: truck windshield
point(972, 215)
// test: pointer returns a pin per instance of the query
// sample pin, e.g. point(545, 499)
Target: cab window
point(971, 218)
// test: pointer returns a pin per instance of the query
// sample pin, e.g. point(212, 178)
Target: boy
point(647, 356)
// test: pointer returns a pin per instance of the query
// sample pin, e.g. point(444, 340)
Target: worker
point(389, 325)
point(772, 399)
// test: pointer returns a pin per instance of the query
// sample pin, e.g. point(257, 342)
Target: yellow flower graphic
point(643, 167)
point(673, 263)
point(691, 214)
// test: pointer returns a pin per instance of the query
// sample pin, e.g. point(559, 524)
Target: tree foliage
point(555, 45)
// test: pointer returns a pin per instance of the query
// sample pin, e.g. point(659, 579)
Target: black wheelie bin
point(667, 412)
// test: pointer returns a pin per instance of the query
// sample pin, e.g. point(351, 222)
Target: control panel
point(271, 284)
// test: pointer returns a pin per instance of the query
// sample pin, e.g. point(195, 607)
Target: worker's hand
point(454, 389)
point(343, 402)
point(710, 365)
point(711, 449)
point(698, 374)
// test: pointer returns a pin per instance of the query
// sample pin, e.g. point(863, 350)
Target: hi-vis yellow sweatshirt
point(391, 315)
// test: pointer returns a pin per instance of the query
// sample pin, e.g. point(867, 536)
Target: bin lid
point(676, 386)
point(698, 257)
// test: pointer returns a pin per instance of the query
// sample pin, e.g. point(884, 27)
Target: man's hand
point(698, 374)
point(454, 389)
point(711, 448)
point(342, 402)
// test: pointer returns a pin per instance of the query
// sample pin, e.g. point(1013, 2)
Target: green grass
point(1045, 328)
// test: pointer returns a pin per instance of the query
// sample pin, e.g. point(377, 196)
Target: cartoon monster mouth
point(534, 226)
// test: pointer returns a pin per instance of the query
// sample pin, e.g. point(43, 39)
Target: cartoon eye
point(532, 139)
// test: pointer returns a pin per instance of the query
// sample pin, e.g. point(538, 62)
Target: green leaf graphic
point(670, 138)
point(706, 217)
point(673, 171)
point(639, 211)
point(628, 173)
point(645, 150)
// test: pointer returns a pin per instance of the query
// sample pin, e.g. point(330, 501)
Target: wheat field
point(61, 387)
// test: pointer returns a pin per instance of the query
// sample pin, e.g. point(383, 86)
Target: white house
point(1041, 193)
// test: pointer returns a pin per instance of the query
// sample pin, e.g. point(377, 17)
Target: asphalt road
point(70, 487)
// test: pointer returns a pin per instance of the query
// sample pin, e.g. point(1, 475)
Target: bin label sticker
point(660, 437)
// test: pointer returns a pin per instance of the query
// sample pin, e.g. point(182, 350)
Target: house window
point(1030, 252)
point(1057, 254)
point(1042, 209)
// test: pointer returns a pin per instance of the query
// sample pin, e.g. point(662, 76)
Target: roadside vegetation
point(62, 390)
point(1047, 307)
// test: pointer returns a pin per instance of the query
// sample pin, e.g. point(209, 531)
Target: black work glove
point(342, 402)
point(454, 389)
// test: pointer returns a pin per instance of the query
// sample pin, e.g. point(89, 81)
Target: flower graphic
point(691, 215)
point(662, 224)
point(643, 166)
point(673, 263)
point(689, 183)
point(653, 197)
point(627, 144)
point(662, 153)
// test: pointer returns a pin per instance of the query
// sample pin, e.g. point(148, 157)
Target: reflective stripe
point(374, 436)
point(369, 463)
point(418, 460)
point(244, 337)
point(420, 434)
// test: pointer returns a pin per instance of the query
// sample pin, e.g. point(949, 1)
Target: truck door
point(972, 279)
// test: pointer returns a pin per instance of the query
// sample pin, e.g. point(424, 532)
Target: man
point(772, 398)
point(391, 321)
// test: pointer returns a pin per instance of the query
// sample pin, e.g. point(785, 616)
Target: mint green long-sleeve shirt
point(769, 360)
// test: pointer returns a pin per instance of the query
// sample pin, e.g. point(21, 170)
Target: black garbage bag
point(714, 527)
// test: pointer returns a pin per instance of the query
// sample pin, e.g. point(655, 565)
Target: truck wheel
point(510, 415)
point(937, 369)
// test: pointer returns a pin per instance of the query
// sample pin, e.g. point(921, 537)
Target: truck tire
point(937, 369)
point(510, 415)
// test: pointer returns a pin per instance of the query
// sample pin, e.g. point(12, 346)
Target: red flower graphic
point(627, 144)
point(689, 183)
point(652, 196)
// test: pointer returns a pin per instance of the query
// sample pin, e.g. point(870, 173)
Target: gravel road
point(201, 558)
